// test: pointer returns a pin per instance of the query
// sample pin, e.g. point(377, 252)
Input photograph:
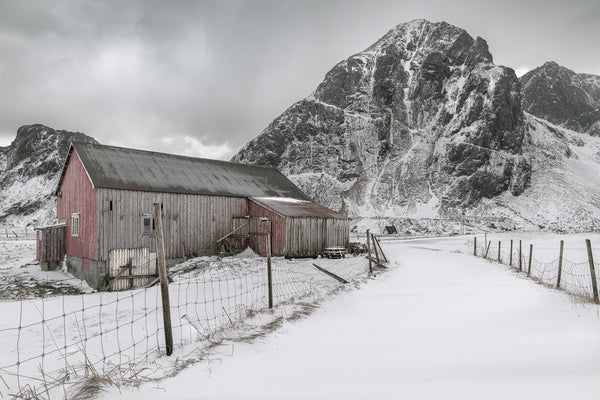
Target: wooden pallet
point(334, 252)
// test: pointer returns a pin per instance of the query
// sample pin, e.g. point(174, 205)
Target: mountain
point(420, 123)
point(29, 172)
point(563, 97)
point(424, 124)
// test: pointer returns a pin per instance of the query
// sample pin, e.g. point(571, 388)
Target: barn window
point(148, 226)
point(75, 224)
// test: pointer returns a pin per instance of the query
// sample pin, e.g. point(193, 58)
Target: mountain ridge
point(29, 172)
point(416, 96)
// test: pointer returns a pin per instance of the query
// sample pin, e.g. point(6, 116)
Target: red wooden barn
point(106, 196)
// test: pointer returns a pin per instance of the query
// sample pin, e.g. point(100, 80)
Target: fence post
point(520, 255)
point(164, 280)
point(499, 244)
point(475, 246)
point(487, 248)
point(530, 253)
point(511, 251)
point(269, 271)
point(560, 260)
point(375, 248)
point(369, 250)
point(592, 270)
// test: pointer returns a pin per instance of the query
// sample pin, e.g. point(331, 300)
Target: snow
point(280, 199)
point(14, 254)
point(439, 324)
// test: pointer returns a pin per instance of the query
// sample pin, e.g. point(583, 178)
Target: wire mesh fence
point(574, 278)
point(53, 341)
point(17, 233)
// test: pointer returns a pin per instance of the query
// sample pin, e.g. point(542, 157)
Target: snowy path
point(440, 325)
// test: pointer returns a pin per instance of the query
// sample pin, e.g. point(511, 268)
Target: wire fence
point(574, 278)
point(49, 343)
point(17, 233)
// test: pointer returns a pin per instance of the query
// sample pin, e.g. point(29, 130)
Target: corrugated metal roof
point(289, 207)
point(131, 169)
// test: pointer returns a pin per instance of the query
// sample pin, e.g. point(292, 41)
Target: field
point(439, 323)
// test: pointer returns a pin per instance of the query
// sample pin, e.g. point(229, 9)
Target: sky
point(202, 78)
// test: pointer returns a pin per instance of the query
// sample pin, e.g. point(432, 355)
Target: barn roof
point(131, 169)
point(288, 207)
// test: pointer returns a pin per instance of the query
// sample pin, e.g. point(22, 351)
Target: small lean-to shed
point(105, 197)
point(301, 228)
point(50, 246)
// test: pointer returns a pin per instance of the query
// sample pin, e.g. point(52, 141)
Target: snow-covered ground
point(21, 277)
point(120, 334)
point(439, 324)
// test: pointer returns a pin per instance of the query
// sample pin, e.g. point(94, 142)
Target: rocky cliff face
point(420, 123)
point(563, 97)
point(29, 170)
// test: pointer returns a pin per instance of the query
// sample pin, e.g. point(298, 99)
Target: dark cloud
point(204, 77)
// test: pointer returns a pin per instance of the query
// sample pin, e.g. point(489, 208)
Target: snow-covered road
point(439, 325)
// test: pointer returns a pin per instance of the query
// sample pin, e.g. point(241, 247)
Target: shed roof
point(131, 169)
point(296, 208)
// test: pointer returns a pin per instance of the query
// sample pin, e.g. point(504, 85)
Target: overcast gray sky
point(204, 77)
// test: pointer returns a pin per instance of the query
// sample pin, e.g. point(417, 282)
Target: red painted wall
point(278, 233)
point(78, 196)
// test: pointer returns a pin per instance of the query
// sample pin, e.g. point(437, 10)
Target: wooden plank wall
point(142, 263)
point(278, 228)
point(50, 244)
point(192, 222)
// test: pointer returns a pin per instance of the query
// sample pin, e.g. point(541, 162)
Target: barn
point(105, 198)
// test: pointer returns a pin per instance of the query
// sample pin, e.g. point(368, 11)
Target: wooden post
point(475, 245)
point(487, 249)
point(164, 280)
point(530, 254)
point(375, 248)
point(269, 271)
point(378, 243)
point(560, 260)
point(520, 255)
point(592, 270)
point(499, 244)
point(511, 251)
point(369, 250)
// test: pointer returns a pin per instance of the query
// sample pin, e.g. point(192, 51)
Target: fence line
point(50, 342)
point(574, 278)
point(17, 233)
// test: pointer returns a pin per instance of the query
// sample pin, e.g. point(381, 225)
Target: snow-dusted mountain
point(424, 124)
point(29, 172)
point(563, 97)
point(420, 122)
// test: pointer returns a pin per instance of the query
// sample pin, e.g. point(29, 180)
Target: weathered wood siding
point(302, 236)
point(278, 233)
point(125, 263)
point(192, 222)
point(50, 244)
point(78, 196)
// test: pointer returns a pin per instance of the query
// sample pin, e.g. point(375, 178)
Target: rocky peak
point(420, 119)
point(38, 142)
point(563, 97)
point(29, 170)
